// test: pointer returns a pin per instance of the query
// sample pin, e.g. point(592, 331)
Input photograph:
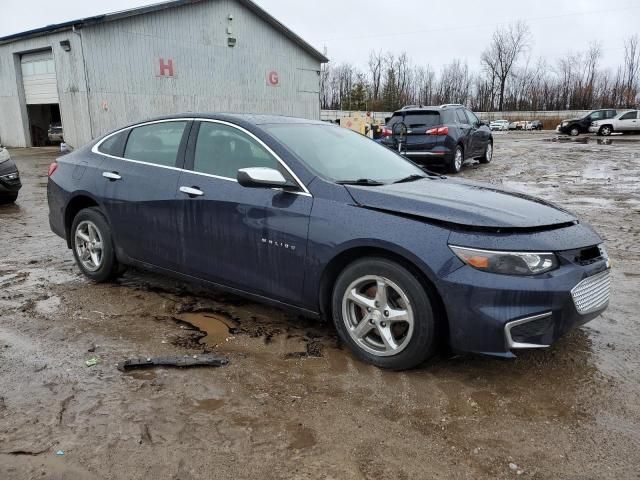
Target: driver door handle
point(192, 191)
point(111, 175)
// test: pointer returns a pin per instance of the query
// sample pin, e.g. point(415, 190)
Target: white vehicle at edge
point(4, 154)
point(625, 122)
point(502, 125)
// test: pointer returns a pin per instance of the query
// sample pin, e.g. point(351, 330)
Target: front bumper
point(495, 314)
point(593, 129)
point(10, 184)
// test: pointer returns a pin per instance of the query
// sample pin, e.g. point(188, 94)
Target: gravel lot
point(293, 403)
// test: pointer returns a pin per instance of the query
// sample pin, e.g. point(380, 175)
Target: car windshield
point(341, 155)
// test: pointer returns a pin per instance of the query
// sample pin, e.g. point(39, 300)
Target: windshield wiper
point(361, 181)
point(410, 178)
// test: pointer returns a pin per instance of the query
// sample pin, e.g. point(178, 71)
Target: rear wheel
point(93, 246)
point(458, 159)
point(574, 131)
point(488, 154)
point(605, 130)
point(384, 314)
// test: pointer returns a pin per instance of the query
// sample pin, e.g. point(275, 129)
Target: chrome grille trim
point(592, 293)
point(511, 344)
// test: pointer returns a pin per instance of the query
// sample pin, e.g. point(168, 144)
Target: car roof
point(251, 118)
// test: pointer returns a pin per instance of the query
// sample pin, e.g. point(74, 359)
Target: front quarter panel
point(337, 225)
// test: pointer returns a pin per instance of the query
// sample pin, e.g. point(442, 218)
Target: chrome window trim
point(511, 344)
point(506, 252)
point(305, 192)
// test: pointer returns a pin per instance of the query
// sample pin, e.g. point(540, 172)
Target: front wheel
point(458, 159)
point(488, 154)
point(574, 131)
point(384, 314)
point(605, 131)
point(93, 246)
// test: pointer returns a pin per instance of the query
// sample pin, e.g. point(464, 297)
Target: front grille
point(592, 293)
point(525, 331)
point(585, 256)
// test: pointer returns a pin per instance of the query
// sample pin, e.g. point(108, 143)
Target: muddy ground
point(293, 403)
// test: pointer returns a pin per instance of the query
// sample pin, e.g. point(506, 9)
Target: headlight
point(564, 124)
point(507, 263)
point(4, 155)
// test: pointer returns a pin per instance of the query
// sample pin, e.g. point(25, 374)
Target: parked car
point(10, 183)
point(443, 136)
point(576, 126)
point(501, 125)
point(624, 122)
point(535, 125)
point(327, 222)
point(55, 132)
point(513, 125)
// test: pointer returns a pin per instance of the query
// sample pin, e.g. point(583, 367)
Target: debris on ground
point(173, 361)
point(92, 362)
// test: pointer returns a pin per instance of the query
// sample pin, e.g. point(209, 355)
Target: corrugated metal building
point(102, 72)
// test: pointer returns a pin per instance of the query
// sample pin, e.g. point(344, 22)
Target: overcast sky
point(433, 32)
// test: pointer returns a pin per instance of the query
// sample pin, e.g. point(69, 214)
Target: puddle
point(208, 404)
point(585, 140)
point(567, 139)
point(218, 329)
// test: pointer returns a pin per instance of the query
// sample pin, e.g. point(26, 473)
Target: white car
point(501, 125)
point(625, 122)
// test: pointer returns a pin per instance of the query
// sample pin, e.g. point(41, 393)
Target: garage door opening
point(41, 97)
point(44, 124)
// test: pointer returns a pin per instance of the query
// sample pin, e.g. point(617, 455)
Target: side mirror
point(261, 177)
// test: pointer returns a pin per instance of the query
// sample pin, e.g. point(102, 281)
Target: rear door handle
point(192, 191)
point(111, 175)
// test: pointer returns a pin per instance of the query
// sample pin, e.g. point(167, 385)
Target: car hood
point(462, 202)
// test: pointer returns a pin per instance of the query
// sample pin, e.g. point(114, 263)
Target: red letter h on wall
point(166, 69)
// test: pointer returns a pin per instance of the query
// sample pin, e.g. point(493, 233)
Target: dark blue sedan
point(317, 218)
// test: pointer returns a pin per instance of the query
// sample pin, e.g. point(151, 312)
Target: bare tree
point(502, 54)
point(631, 70)
point(376, 64)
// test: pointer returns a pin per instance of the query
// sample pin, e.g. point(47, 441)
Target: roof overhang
point(111, 17)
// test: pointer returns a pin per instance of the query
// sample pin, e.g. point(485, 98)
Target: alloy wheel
point(489, 153)
point(457, 161)
point(89, 245)
point(378, 315)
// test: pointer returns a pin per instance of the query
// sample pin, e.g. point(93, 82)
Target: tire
point(605, 130)
point(488, 154)
point(455, 164)
point(414, 339)
point(574, 131)
point(99, 265)
point(8, 199)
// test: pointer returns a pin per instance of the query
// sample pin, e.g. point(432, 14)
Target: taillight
point(52, 168)
point(386, 132)
point(438, 131)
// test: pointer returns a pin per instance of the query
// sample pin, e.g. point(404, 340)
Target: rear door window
point(473, 120)
point(416, 119)
point(629, 116)
point(222, 150)
point(114, 145)
point(156, 143)
point(462, 118)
